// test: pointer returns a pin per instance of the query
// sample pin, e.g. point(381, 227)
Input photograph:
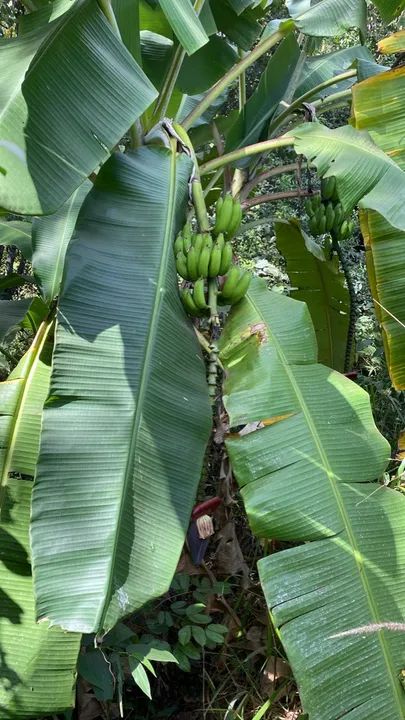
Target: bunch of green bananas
point(326, 213)
point(198, 256)
point(228, 216)
point(235, 286)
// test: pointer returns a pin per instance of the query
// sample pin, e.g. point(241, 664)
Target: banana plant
point(115, 146)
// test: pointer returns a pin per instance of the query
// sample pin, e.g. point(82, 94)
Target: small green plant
point(184, 623)
point(178, 632)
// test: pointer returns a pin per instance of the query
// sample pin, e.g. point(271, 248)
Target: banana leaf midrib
point(144, 377)
point(36, 349)
point(345, 520)
point(328, 313)
point(61, 249)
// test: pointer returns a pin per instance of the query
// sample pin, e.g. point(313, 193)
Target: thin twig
point(273, 172)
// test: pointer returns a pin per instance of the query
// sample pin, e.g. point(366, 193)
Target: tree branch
point(273, 172)
point(273, 197)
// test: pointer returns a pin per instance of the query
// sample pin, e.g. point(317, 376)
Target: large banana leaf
point(50, 238)
point(327, 17)
point(365, 175)
point(307, 476)
point(378, 105)
point(38, 664)
point(68, 92)
point(316, 279)
point(128, 418)
point(265, 100)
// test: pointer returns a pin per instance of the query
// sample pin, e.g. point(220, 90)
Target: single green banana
point(339, 216)
point(186, 243)
point(199, 294)
point(218, 206)
point(197, 242)
point(308, 207)
point(351, 227)
point(328, 186)
point(313, 225)
point(192, 258)
point(188, 303)
point(241, 288)
point(231, 282)
point(344, 229)
point(181, 266)
point(208, 241)
point(215, 261)
point(316, 201)
point(223, 217)
point(220, 240)
point(322, 225)
point(204, 262)
point(320, 213)
point(187, 230)
point(226, 259)
point(178, 243)
point(330, 216)
point(236, 219)
point(335, 196)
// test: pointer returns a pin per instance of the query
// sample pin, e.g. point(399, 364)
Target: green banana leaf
point(327, 17)
point(17, 233)
point(316, 279)
point(128, 20)
point(265, 100)
point(307, 476)
point(50, 238)
point(202, 70)
point(240, 5)
point(153, 19)
point(13, 280)
point(242, 29)
point(378, 108)
point(128, 417)
point(11, 314)
point(390, 9)
point(44, 129)
point(43, 15)
point(185, 23)
point(319, 68)
point(364, 174)
point(38, 664)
